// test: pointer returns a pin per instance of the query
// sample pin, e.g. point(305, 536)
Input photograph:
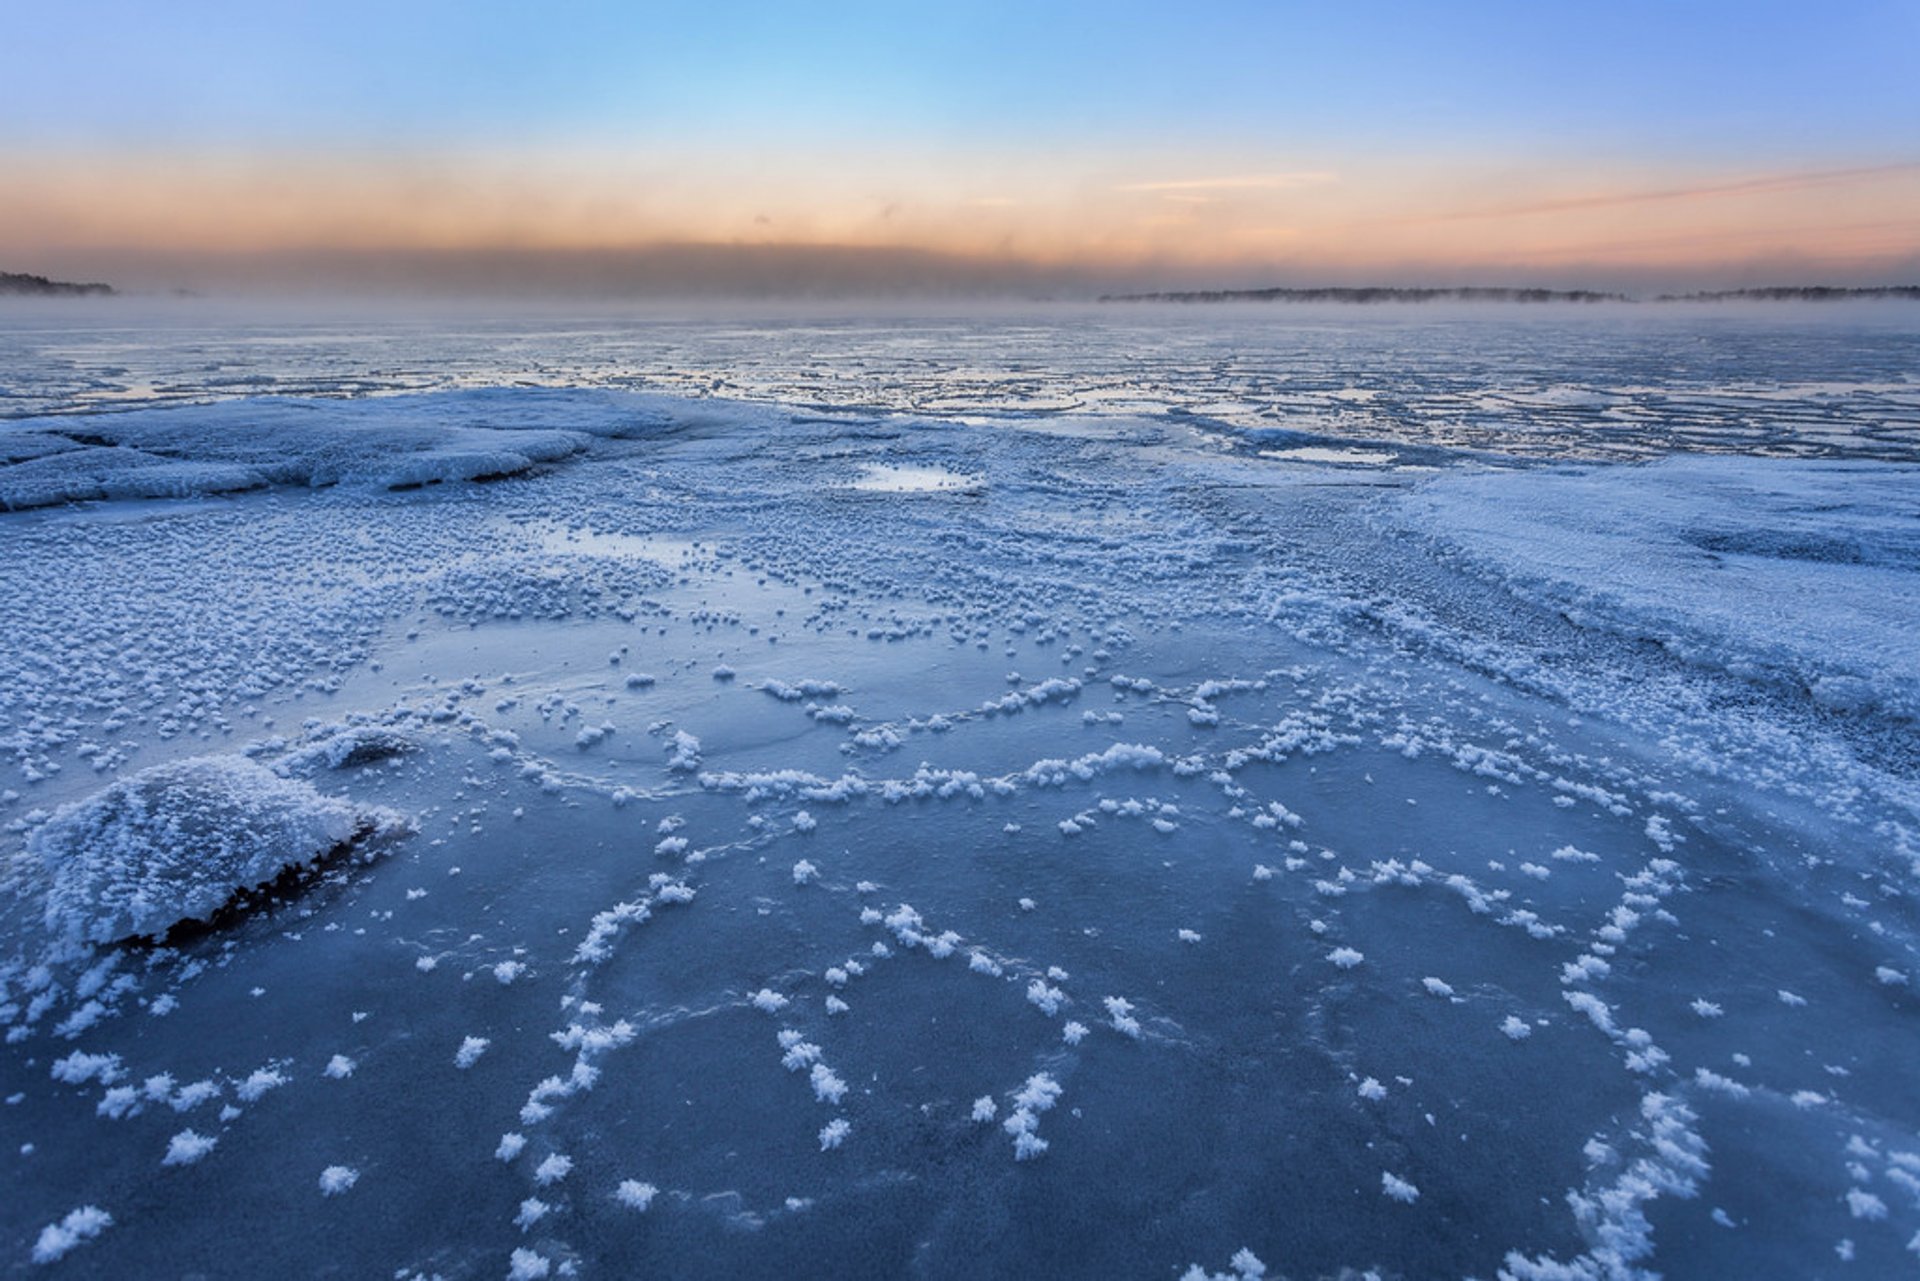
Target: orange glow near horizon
point(1216, 219)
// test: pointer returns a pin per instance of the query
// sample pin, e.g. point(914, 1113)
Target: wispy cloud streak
point(1241, 182)
point(1747, 187)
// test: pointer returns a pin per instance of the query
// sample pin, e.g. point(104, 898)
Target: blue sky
point(1768, 78)
point(1001, 106)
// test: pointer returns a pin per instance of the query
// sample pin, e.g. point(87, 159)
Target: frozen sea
point(1049, 791)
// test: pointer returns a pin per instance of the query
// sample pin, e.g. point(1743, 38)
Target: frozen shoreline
point(1374, 902)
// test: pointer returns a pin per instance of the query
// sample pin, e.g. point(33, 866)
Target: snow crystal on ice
point(78, 1068)
point(187, 1147)
point(634, 1194)
point(1048, 999)
point(336, 1179)
point(683, 752)
point(827, 1087)
point(258, 1082)
point(1865, 1205)
point(80, 1226)
point(525, 1265)
point(532, 1210)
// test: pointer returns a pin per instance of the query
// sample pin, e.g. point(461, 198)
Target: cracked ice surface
point(1138, 854)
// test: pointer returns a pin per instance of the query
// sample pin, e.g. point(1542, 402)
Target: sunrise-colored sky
point(1066, 145)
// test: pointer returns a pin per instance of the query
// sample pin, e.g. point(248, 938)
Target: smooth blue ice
point(1061, 794)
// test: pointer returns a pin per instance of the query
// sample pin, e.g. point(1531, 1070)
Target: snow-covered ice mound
point(391, 442)
point(176, 842)
point(1793, 571)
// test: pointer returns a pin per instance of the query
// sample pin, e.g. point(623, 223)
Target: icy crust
point(1208, 865)
point(1792, 571)
point(1839, 382)
point(393, 442)
point(176, 842)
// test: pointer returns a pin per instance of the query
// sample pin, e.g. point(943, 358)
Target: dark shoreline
point(22, 285)
point(1375, 295)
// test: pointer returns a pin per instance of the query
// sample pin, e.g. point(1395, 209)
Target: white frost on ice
point(1862, 1204)
point(1398, 1189)
point(80, 1226)
point(336, 1179)
point(1047, 999)
point(827, 1087)
point(634, 1194)
point(187, 1147)
point(683, 752)
point(1037, 1096)
point(525, 1265)
point(258, 1082)
point(1244, 1266)
point(78, 1068)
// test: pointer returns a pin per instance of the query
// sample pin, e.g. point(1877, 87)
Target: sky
point(590, 145)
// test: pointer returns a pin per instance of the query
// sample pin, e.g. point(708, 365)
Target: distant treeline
point(1798, 293)
point(12, 282)
point(1372, 294)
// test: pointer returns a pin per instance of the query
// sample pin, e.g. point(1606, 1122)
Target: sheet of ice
point(1329, 886)
point(1324, 454)
point(1603, 383)
point(895, 478)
